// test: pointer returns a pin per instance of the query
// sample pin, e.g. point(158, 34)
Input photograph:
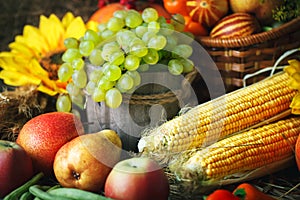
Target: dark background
point(17, 13)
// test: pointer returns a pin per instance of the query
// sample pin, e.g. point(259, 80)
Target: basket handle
point(273, 68)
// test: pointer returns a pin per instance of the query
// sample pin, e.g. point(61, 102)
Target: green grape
point(140, 31)
point(105, 84)
point(95, 57)
point(78, 63)
point(71, 43)
point(147, 36)
point(175, 67)
point(108, 49)
point(96, 74)
point(172, 42)
point(101, 27)
point(153, 27)
point(138, 50)
point(72, 89)
point(86, 47)
point(98, 95)
point(91, 35)
point(120, 14)
point(120, 88)
point(63, 103)
point(113, 98)
point(188, 65)
point(71, 54)
point(135, 75)
point(133, 19)
point(158, 42)
point(107, 34)
point(113, 73)
point(90, 87)
point(161, 19)
point(136, 41)
point(115, 24)
point(78, 100)
point(143, 67)
point(152, 57)
point(132, 62)
point(126, 82)
point(183, 50)
point(149, 15)
point(65, 72)
point(79, 78)
point(105, 67)
point(117, 58)
point(178, 22)
point(166, 29)
point(123, 38)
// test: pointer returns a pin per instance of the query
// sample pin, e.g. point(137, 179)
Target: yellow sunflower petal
point(12, 62)
point(290, 70)
point(92, 25)
point(21, 48)
point(294, 84)
point(14, 78)
point(46, 90)
point(34, 37)
point(67, 19)
point(53, 37)
point(295, 105)
point(295, 63)
point(21, 39)
point(296, 111)
point(76, 28)
point(36, 69)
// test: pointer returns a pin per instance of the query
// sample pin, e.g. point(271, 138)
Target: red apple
point(45, 134)
point(137, 178)
point(15, 167)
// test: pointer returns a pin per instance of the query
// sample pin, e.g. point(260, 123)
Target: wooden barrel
point(159, 97)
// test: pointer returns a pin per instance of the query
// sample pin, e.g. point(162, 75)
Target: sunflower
point(35, 56)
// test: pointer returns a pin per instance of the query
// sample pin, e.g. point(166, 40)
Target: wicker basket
point(236, 57)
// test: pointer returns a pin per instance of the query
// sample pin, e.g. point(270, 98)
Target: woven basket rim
point(284, 29)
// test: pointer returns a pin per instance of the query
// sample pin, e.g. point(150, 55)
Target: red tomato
point(176, 6)
point(194, 27)
point(221, 194)
point(247, 191)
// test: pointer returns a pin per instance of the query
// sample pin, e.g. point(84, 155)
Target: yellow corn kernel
point(218, 118)
point(239, 153)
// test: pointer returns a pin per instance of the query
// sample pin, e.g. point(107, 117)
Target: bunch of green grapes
point(128, 44)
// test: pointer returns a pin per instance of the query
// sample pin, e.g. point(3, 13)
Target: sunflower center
point(51, 62)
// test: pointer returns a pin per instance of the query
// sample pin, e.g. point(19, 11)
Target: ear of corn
point(218, 118)
point(240, 153)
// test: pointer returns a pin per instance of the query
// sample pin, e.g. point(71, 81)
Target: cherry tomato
point(176, 6)
point(222, 194)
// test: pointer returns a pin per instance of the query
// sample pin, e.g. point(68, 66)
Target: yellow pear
point(86, 161)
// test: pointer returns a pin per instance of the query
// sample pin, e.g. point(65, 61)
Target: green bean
point(15, 194)
point(78, 194)
point(38, 192)
point(26, 196)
